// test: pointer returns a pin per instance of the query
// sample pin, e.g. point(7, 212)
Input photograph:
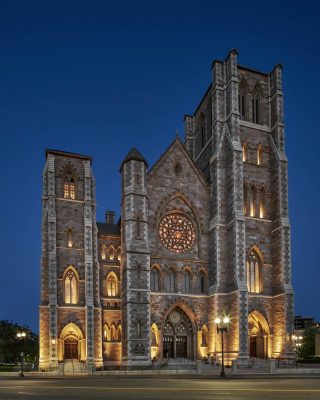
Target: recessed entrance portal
point(71, 344)
point(178, 336)
point(259, 334)
point(71, 348)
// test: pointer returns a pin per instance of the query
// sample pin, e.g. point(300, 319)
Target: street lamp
point(222, 326)
point(21, 336)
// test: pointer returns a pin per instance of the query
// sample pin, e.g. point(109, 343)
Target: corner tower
point(135, 268)
point(70, 312)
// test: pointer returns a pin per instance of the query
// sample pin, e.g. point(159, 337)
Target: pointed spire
point(133, 154)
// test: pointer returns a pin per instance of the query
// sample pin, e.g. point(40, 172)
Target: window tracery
point(254, 272)
point(177, 232)
point(70, 287)
point(69, 190)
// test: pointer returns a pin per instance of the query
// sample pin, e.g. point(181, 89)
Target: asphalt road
point(160, 388)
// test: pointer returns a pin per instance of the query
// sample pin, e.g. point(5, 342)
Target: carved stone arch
point(70, 343)
point(189, 203)
point(186, 309)
point(68, 268)
point(258, 334)
point(68, 167)
point(256, 248)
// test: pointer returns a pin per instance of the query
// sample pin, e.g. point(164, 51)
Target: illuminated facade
point(203, 233)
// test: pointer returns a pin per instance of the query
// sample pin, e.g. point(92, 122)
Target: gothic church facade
point(203, 233)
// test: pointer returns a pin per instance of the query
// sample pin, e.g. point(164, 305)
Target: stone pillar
point(136, 262)
point(52, 251)
point(281, 236)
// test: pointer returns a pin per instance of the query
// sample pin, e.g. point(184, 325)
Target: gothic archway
point(259, 335)
point(178, 336)
point(71, 340)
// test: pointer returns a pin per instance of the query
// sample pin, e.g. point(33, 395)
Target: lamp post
point(222, 326)
point(21, 336)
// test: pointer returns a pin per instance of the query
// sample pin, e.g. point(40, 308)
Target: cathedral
point(203, 234)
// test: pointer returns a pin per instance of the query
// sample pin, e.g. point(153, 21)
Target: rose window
point(177, 233)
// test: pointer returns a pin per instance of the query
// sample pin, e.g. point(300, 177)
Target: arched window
point(114, 335)
point(106, 332)
point(69, 238)
point(186, 282)
point(202, 282)
point(70, 287)
point(256, 108)
point(119, 253)
point(259, 154)
point(254, 272)
point(262, 204)
point(154, 279)
point(245, 152)
point(253, 201)
point(69, 189)
point(245, 199)
point(111, 253)
point(171, 281)
point(111, 285)
point(139, 332)
point(242, 102)
point(103, 252)
point(119, 333)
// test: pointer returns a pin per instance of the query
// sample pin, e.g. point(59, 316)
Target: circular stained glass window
point(177, 232)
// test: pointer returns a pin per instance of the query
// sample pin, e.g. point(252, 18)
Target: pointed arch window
point(112, 285)
point(186, 283)
point(103, 252)
point(245, 200)
point(245, 152)
point(242, 103)
point(106, 333)
point(139, 332)
point(70, 238)
point(262, 203)
point(202, 282)
point(154, 280)
point(71, 287)
point(259, 154)
point(171, 281)
point(256, 108)
point(254, 272)
point(69, 189)
point(113, 333)
point(253, 202)
point(119, 333)
point(111, 253)
point(119, 253)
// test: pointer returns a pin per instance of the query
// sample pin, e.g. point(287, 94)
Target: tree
point(307, 348)
point(11, 346)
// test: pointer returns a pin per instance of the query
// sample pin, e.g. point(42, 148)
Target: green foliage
point(11, 346)
point(307, 348)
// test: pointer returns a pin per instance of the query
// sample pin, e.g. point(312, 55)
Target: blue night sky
point(97, 77)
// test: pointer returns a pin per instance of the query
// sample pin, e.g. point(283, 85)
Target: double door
point(175, 346)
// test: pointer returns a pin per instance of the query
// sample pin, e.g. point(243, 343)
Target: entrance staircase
point(74, 367)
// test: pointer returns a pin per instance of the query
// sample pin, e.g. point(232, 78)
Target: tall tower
point(135, 268)
point(70, 311)
point(236, 136)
